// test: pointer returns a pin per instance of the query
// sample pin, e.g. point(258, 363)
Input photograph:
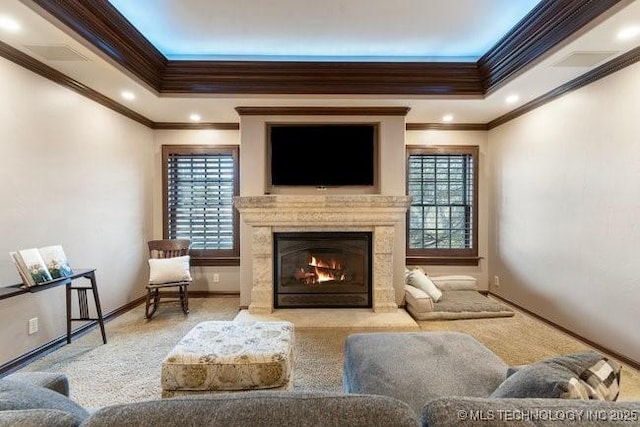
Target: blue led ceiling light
point(333, 30)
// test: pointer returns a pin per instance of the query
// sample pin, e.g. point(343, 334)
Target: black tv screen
point(322, 155)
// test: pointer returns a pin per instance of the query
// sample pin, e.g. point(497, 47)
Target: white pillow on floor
point(419, 280)
point(167, 270)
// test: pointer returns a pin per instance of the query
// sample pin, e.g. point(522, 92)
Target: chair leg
point(184, 299)
point(156, 300)
point(153, 293)
point(146, 308)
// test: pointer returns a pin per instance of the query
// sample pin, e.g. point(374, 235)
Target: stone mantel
point(378, 214)
point(303, 210)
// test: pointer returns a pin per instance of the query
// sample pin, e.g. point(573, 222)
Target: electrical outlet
point(496, 281)
point(33, 326)
point(216, 277)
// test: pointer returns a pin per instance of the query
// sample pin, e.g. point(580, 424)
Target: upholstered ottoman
point(227, 356)
point(416, 367)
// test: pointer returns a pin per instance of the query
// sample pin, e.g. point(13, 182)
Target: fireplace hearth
point(322, 270)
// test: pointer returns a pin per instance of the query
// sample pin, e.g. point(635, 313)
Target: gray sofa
point(41, 399)
point(390, 379)
point(448, 378)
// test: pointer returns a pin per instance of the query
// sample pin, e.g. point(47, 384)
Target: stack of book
point(39, 266)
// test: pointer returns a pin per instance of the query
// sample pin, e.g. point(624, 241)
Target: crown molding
point(543, 29)
point(32, 64)
point(100, 24)
point(289, 77)
point(194, 126)
point(20, 58)
point(602, 71)
point(446, 126)
point(550, 22)
point(323, 111)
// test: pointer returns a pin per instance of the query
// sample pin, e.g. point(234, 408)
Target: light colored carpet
point(128, 367)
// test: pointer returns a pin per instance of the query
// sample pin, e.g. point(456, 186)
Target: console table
point(83, 306)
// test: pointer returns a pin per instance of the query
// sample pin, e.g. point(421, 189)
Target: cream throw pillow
point(419, 280)
point(167, 270)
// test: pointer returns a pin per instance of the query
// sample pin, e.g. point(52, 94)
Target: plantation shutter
point(200, 190)
point(441, 187)
point(442, 216)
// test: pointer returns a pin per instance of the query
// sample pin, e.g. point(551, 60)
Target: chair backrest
point(168, 248)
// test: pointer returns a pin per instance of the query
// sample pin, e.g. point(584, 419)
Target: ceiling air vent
point(584, 59)
point(56, 52)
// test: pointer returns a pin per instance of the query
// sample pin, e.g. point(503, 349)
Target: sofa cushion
point(585, 375)
point(38, 418)
point(513, 369)
point(260, 409)
point(416, 367)
point(420, 280)
point(18, 395)
point(52, 380)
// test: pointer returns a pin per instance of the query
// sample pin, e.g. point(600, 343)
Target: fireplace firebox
point(322, 270)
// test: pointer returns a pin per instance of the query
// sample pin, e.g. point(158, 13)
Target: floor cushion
point(415, 367)
point(228, 355)
point(460, 305)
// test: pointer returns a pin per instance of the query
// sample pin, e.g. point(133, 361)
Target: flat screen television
point(322, 155)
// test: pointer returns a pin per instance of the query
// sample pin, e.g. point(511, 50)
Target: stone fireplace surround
point(270, 214)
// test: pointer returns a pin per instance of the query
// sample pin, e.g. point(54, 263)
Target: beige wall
point(73, 173)
point(202, 276)
point(565, 203)
point(253, 177)
point(473, 138)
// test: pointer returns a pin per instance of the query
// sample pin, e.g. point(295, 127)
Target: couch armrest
point(51, 380)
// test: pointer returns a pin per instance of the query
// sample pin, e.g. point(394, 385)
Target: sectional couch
point(40, 399)
point(439, 379)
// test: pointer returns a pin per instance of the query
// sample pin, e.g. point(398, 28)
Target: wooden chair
point(167, 248)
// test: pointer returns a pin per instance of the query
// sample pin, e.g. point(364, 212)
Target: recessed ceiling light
point(447, 118)
point(512, 99)
point(195, 117)
point(9, 24)
point(629, 33)
point(129, 96)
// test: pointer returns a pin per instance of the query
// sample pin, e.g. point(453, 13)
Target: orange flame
point(326, 276)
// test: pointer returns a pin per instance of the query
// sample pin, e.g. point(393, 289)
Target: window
point(443, 216)
point(199, 183)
